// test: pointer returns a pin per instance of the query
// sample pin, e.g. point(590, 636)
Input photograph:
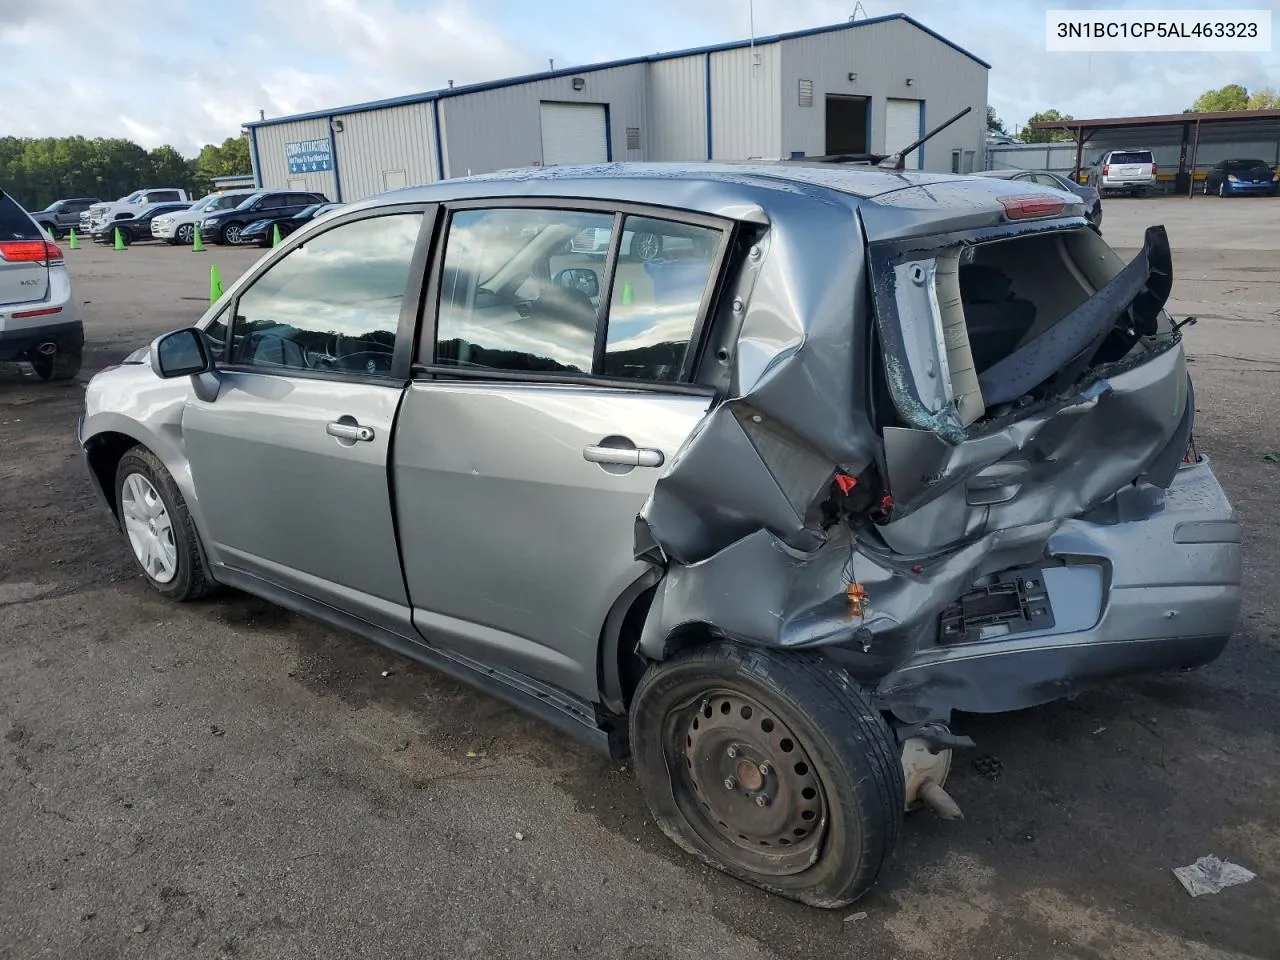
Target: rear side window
point(163, 196)
point(1131, 156)
point(528, 290)
point(14, 222)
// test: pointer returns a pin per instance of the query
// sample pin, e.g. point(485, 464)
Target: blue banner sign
point(309, 156)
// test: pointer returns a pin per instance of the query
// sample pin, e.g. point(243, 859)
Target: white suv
point(180, 227)
point(39, 317)
point(1132, 171)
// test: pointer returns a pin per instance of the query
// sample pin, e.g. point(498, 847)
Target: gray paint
point(883, 57)
point(373, 144)
point(746, 103)
point(677, 110)
point(273, 164)
point(502, 522)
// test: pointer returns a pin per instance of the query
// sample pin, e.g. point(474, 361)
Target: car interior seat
point(996, 318)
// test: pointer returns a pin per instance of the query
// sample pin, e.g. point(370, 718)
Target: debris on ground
point(216, 730)
point(1271, 457)
point(519, 835)
point(855, 917)
point(989, 767)
point(1211, 875)
point(386, 673)
point(477, 751)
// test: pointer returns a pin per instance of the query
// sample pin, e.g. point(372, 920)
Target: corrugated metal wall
point(746, 111)
point(498, 129)
point(882, 57)
point(377, 149)
point(273, 164)
point(677, 109)
point(1061, 157)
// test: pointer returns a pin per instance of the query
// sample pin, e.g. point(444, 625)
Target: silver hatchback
point(852, 452)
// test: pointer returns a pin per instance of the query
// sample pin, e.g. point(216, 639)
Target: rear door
point(24, 266)
point(290, 459)
point(552, 392)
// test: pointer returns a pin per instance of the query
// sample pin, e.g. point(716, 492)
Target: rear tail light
point(1029, 208)
point(1153, 169)
point(1106, 168)
point(30, 251)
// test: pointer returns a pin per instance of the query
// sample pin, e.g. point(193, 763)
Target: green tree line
point(1227, 98)
point(38, 171)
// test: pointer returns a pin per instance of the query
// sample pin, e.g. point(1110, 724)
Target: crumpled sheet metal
point(729, 518)
point(759, 459)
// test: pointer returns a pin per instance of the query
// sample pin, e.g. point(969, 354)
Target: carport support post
point(1195, 148)
point(1081, 140)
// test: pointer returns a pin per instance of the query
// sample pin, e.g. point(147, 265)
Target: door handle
point(625, 456)
point(349, 431)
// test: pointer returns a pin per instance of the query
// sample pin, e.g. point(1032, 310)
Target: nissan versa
point(858, 450)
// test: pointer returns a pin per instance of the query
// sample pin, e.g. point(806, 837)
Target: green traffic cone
point(215, 284)
point(628, 295)
point(275, 235)
point(197, 245)
point(75, 241)
point(119, 239)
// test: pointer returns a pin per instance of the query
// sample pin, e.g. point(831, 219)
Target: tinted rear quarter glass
point(14, 222)
point(1131, 156)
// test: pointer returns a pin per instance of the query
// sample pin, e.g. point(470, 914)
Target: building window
point(955, 161)
point(806, 93)
point(633, 138)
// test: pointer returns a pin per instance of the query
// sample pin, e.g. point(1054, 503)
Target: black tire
point(192, 580)
point(230, 233)
point(63, 365)
point(1222, 189)
point(821, 716)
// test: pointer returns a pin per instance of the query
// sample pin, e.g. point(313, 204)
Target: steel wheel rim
point(149, 528)
point(726, 750)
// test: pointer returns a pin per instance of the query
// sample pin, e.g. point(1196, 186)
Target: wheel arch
point(103, 452)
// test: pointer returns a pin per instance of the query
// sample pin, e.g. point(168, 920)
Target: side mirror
point(182, 353)
point(579, 278)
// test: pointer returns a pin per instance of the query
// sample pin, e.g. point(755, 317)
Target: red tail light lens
point(30, 251)
point(1106, 167)
point(1153, 169)
point(1029, 208)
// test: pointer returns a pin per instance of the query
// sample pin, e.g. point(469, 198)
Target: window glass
point(520, 289)
point(1046, 180)
point(1131, 156)
point(216, 333)
point(661, 281)
point(1240, 166)
point(332, 304)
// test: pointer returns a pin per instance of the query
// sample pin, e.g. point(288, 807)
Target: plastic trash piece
point(1211, 875)
point(1271, 457)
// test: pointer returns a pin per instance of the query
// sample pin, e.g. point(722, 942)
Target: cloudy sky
point(187, 72)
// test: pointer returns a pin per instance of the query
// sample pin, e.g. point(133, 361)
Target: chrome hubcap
point(149, 528)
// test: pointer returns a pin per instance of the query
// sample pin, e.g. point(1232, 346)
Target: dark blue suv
point(225, 226)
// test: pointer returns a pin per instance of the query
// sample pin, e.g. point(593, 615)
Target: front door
point(553, 394)
point(290, 460)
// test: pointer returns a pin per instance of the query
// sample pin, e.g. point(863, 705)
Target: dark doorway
point(847, 124)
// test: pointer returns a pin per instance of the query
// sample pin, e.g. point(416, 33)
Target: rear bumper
point(20, 344)
point(1128, 598)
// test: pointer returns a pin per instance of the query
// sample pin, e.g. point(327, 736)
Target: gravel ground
point(225, 779)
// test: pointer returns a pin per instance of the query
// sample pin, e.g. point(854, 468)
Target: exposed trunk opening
point(977, 330)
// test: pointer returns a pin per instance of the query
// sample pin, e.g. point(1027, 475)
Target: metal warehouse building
point(865, 86)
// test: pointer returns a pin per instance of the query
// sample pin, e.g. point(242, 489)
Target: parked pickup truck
point(61, 215)
point(129, 206)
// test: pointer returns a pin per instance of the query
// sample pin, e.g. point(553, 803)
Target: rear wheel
point(769, 766)
point(159, 528)
point(62, 365)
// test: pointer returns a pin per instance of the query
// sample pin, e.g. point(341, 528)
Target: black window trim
point(427, 328)
point(406, 322)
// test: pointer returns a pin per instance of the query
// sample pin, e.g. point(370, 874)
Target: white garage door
point(573, 133)
point(902, 127)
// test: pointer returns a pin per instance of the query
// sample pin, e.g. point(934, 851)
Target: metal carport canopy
point(1185, 129)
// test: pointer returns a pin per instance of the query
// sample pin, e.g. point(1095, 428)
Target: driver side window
point(333, 304)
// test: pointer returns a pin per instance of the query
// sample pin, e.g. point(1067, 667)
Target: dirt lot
point(226, 779)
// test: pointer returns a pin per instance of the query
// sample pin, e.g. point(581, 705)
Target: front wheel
point(771, 767)
point(231, 233)
point(186, 234)
point(1222, 189)
point(159, 528)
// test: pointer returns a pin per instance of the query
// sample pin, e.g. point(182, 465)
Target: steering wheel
point(370, 362)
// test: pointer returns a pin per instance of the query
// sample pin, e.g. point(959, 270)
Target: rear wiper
point(898, 161)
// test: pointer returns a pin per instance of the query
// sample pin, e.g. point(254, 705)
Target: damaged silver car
point(856, 451)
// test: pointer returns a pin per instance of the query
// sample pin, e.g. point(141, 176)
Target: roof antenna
point(450, 84)
point(262, 114)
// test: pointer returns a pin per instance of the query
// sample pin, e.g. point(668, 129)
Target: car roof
point(706, 187)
